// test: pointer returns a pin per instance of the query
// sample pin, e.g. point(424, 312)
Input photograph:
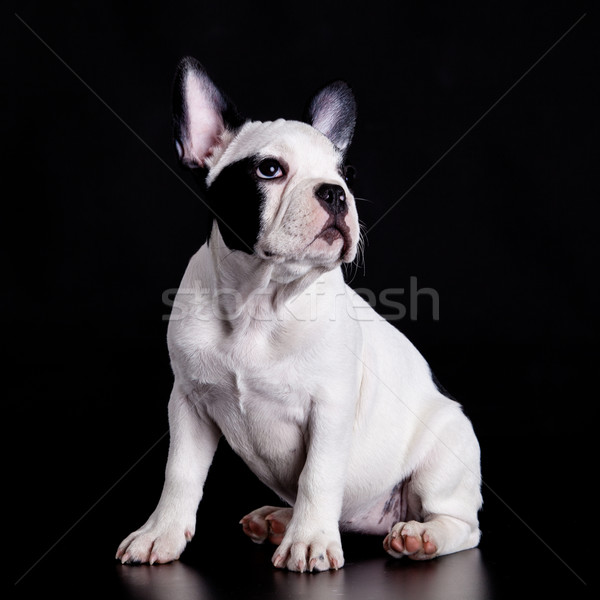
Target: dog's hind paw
point(410, 539)
point(268, 522)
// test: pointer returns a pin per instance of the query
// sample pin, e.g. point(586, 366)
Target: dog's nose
point(332, 197)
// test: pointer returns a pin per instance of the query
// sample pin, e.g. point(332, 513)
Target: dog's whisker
point(359, 260)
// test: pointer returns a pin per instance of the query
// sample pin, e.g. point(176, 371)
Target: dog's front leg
point(312, 539)
point(193, 442)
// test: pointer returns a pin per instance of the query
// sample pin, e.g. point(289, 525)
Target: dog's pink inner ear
point(205, 125)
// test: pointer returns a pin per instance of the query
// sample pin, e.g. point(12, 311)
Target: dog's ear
point(332, 111)
point(201, 113)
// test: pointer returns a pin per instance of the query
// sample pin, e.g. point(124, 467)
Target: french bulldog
point(329, 405)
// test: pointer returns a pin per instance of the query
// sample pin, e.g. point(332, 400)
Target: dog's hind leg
point(447, 488)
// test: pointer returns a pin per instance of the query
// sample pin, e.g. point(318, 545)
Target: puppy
point(335, 412)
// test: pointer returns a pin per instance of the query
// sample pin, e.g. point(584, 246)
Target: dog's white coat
point(330, 409)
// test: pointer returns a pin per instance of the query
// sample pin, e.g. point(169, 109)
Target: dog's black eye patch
point(237, 196)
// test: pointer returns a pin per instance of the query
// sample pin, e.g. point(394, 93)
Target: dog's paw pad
point(428, 546)
point(412, 544)
point(268, 522)
point(410, 539)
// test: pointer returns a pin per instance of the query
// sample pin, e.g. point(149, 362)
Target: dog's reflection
point(460, 575)
point(175, 581)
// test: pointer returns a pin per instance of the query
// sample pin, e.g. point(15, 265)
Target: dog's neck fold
point(242, 279)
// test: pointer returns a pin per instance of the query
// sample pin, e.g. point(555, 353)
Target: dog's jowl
point(337, 414)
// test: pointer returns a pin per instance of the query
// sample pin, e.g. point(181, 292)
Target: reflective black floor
point(244, 571)
point(456, 577)
point(526, 549)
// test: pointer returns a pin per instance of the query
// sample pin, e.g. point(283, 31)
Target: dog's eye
point(269, 168)
point(349, 175)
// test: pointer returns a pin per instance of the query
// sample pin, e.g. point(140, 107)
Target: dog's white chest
point(264, 421)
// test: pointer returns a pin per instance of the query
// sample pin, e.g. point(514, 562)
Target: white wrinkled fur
point(330, 409)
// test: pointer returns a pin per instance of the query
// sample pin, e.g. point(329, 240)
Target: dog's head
point(278, 189)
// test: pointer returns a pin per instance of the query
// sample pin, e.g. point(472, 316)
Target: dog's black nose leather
point(332, 197)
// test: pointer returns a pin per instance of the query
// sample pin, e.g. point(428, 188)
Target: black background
point(101, 222)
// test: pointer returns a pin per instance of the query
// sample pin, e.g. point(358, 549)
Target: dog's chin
point(334, 244)
point(327, 250)
point(329, 247)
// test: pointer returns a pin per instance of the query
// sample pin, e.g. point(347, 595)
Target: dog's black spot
point(397, 503)
point(237, 196)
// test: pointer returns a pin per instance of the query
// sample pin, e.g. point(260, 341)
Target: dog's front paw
point(318, 551)
point(155, 542)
